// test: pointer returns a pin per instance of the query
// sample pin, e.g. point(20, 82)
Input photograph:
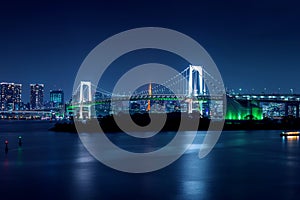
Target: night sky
point(255, 43)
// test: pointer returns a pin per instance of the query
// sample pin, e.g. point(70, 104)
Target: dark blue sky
point(255, 43)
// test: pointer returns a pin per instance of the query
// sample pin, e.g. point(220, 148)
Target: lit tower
point(57, 98)
point(85, 96)
point(150, 93)
point(36, 96)
point(198, 88)
point(10, 96)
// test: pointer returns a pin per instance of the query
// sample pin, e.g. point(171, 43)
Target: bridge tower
point(196, 85)
point(88, 85)
point(197, 79)
point(85, 96)
point(150, 93)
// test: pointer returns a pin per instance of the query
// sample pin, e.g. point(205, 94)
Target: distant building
point(36, 96)
point(11, 94)
point(56, 98)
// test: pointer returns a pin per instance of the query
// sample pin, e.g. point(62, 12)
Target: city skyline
point(11, 96)
point(234, 91)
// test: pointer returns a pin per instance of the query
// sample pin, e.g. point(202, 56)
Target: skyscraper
point(36, 96)
point(57, 98)
point(11, 94)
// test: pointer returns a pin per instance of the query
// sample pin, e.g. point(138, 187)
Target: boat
point(290, 133)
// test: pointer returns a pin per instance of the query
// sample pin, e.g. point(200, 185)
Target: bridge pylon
point(196, 81)
point(85, 88)
point(150, 93)
point(196, 85)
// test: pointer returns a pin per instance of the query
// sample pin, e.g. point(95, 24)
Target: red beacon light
point(6, 142)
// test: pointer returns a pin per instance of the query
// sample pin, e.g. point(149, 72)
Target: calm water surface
point(243, 165)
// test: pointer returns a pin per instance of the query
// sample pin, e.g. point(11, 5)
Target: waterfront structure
point(57, 98)
point(191, 96)
point(11, 95)
point(238, 109)
point(36, 96)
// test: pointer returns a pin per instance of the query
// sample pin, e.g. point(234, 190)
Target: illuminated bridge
point(191, 90)
point(194, 90)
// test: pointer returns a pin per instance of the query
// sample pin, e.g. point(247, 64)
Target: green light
point(20, 137)
point(237, 111)
point(239, 116)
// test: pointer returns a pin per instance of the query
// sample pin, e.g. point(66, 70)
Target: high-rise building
point(18, 97)
point(11, 94)
point(36, 96)
point(57, 98)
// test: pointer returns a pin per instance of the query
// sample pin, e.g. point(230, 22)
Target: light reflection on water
point(20, 159)
point(290, 138)
point(290, 143)
point(243, 165)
